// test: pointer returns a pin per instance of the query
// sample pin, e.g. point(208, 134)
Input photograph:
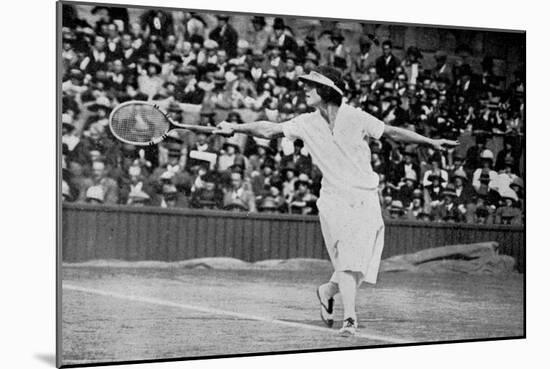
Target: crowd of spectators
point(191, 62)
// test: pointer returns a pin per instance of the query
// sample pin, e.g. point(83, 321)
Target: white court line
point(209, 310)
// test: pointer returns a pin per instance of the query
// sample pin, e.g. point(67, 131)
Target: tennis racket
point(141, 123)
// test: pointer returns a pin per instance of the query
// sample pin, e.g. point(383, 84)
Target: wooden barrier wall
point(130, 233)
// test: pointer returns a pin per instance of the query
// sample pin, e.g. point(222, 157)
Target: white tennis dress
point(349, 209)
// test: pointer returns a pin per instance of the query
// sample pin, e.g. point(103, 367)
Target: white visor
point(322, 80)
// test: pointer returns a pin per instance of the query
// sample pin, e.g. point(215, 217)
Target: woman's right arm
point(263, 129)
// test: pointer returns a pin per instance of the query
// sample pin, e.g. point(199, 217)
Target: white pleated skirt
point(353, 230)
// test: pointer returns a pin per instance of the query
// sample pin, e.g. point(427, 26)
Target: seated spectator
point(150, 82)
point(406, 189)
point(505, 177)
point(132, 181)
point(485, 215)
point(464, 191)
point(230, 155)
point(486, 159)
point(100, 178)
point(458, 161)
point(209, 195)
point(138, 198)
point(274, 194)
point(435, 168)
point(301, 162)
point(416, 207)
point(237, 196)
point(95, 195)
point(170, 197)
point(409, 162)
point(269, 205)
point(395, 169)
point(187, 89)
point(262, 180)
point(447, 210)
point(302, 200)
point(508, 212)
point(433, 193)
point(396, 210)
point(508, 153)
point(485, 192)
point(289, 175)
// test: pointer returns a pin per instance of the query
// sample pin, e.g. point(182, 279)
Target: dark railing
point(130, 233)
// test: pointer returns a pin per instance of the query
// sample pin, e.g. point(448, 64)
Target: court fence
point(145, 233)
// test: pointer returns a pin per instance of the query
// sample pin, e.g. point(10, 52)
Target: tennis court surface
point(146, 313)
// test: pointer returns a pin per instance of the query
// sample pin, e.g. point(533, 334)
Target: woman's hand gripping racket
point(141, 123)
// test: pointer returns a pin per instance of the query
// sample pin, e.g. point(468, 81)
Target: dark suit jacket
point(303, 163)
point(386, 70)
point(227, 41)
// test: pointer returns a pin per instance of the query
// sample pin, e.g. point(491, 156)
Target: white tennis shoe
point(327, 308)
point(348, 328)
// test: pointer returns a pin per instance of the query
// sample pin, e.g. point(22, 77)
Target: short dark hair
point(387, 43)
point(328, 94)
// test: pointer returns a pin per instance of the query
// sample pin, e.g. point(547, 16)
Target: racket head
point(139, 123)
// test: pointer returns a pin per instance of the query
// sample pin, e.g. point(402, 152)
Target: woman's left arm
point(405, 135)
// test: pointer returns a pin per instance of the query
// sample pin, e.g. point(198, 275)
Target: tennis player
point(349, 210)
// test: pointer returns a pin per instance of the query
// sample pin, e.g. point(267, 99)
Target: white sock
point(328, 289)
point(347, 284)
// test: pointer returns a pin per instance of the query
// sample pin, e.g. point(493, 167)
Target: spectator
point(301, 162)
point(435, 168)
point(447, 210)
point(237, 196)
point(433, 193)
point(95, 195)
point(416, 207)
point(100, 179)
point(485, 192)
point(464, 191)
point(283, 38)
point(225, 35)
point(187, 90)
point(230, 155)
point(209, 196)
point(508, 212)
point(411, 65)
point(259, 36)
point(274, 194)
point(407, 188)
point(442, 69)
point(396, 211)
point(150, 82)
point(302, 200)
point(386, 63)
point(486, 159)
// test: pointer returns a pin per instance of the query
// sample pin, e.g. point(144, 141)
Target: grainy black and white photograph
point(236, 184)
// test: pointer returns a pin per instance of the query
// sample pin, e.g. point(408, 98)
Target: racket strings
point(138, 123)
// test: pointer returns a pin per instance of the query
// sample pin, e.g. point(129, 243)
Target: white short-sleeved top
point(343, 155)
